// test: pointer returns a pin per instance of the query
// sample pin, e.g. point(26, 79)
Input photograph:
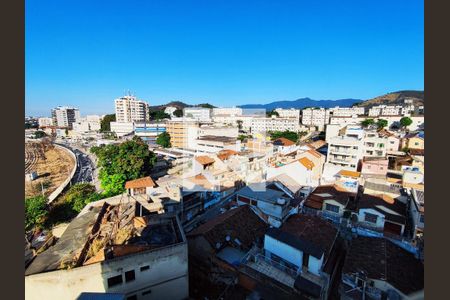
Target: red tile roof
point(225, 154)
point(306, 162)
point(140, 183)
point(283, 142)
point(204, 160)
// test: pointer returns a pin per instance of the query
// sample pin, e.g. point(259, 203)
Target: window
point(145, 268)
point(370, 218)
point(331, 207)
point(113, 281)
point(129, 276)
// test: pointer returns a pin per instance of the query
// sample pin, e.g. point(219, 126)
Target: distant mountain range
point(303, 103)
point(393, 98)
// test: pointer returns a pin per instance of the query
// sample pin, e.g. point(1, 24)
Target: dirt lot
point(52, 165)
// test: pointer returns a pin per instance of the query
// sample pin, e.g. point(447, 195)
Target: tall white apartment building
point(45, 122)
point(130, 109)
point(259, 124)
point(86, 124)
point(346, 150)
point(315, 117)
point(385, 110)
point(288, 113)
point(346, 111)
point(229, 111)
point(200, 114)
point(64, 116)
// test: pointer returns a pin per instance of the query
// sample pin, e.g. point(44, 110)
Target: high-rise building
point(64, 116)
point(130, 109)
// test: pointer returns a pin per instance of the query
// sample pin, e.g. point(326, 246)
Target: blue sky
point(87, 53)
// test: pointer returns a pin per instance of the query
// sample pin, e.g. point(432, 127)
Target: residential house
point(317, 159)
point(393, 141)
point(374, 166)
point(329, 202)
point(381, 214)
point(226, 239)
point(376, 268)
point(415, 140)
point(301, 256)
point(272, 203)
point(284, 146)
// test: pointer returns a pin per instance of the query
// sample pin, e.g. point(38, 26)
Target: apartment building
point(386, 110)
point(86, 124)
point(346, 111)
point(262, 124)
point(374, 145)
point(199, 114)
point(227, 131)
point(130, 109)
point(64, 116)
point(45, 122)
point(214, 144)
point(228, 111)
point(183, 133)
point(346, 150)
point(288, 113)
point(122, 128)
point(315, 117)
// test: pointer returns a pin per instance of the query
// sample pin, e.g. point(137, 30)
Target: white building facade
point(130, 109)
point(64, 116)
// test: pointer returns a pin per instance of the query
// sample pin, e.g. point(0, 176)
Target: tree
point(272, 113)
point(243, 137)
point(66, 131)
point(163, 140)
point(290, 135)
point(381, 123)
point(367, 122)
point(158, 115)
point(206, 105)
point(35, 211)
point(302, 134)
point(178, 113)
point(81, 194)
point(105, 125)
point(405, 122)
point(39, 134)
point(119, 163)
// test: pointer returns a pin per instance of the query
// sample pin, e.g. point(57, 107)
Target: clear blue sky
point(87, 53)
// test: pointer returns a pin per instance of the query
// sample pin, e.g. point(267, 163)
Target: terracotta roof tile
point(283, 142)
point(306, 162)
point(204, 159)
point(349, 173)
point(140, 183)
point(225, 154)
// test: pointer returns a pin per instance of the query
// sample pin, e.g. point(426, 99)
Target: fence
point(63, 185)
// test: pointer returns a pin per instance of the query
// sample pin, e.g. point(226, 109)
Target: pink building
point(374, 166)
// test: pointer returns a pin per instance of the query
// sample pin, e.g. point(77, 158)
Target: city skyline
point(247, 54)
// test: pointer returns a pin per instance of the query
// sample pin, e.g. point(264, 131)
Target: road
point(86, 169)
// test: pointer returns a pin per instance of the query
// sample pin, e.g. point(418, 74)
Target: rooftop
point(204, 160)
point(91, 238)
point(223, 139)
point(348, 173)
point(140, 183)
point(327, 192)
point(283, 142)
point(310, 234)
point(307, 163)
point(383, 260)
point(261, 193)
point(394, 210)
point(238, 223)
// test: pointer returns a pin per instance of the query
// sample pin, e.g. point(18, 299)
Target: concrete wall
point(167, 277)
point(63, 185)
point(380, 220)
